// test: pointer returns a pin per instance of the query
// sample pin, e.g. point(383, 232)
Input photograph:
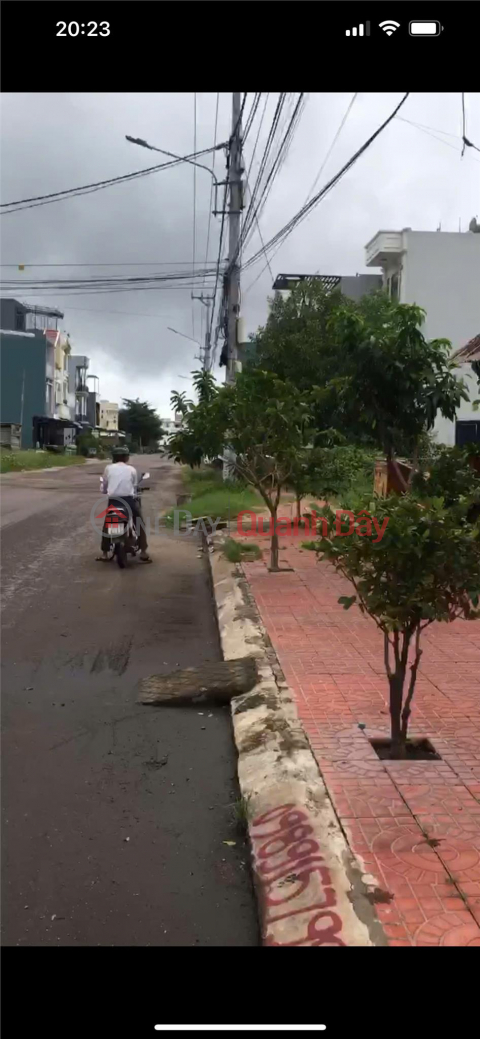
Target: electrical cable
point(268, 146)
point(258, 135)
point(237, 124)
point(432, 134)
point(317, 178)
point(194, 201)
point(335, 139)
point(463, 123)
point(251, 116)
point(290, 226)
point(59, 196)
point(277, 165)
point(465, 140)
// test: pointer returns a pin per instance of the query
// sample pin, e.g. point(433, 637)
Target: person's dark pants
point(136, 511)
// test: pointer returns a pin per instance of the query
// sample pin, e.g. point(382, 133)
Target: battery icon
point(429, 28)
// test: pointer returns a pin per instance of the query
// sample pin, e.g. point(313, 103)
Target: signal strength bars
point(361, 30)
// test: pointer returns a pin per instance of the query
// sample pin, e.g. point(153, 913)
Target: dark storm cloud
point(57, 141)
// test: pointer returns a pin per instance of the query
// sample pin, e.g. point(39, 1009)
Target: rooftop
point(470, 352)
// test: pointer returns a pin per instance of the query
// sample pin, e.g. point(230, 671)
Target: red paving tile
point(414, 827)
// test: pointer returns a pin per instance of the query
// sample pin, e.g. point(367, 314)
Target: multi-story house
point(78, 388)
point(440, 271)
point(109, 416)
point(93, 402)
point(34, 384)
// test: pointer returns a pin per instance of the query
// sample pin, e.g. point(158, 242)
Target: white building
point(108, 415)
point(439, 271)
point(169, 426)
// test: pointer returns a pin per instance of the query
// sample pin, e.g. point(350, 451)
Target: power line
point(127, 313)
point(317, 178)
point(258, 135)
point(211, 187)
point(423, 126)
point(194, 199)
point(125, 263)
point(86, 189)
point(237, 124)
point(463, 123)
point(335, 139)
point(277, 165)
point(466, 142)
point(290, 226)
point(432, 134)
point(263, 163)
point(251, 116)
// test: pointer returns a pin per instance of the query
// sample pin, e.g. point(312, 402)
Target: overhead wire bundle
point(182, 278)
point(87, 189)
point(307, 208)
point(255, 210)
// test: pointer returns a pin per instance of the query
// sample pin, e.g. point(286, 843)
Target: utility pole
point(233, 276)
point(207, 301)
point(206, 352)
point(235, 208)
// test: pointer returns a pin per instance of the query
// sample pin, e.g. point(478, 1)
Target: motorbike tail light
point(115, 528)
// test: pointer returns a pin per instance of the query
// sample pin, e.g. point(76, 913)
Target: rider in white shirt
point(120, 481)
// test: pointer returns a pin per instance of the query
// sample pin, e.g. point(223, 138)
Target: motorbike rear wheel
point(121, 554)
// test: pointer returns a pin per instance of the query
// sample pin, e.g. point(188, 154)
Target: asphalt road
point(114, 814)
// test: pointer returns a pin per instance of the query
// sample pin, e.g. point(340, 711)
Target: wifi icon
point(389, 26)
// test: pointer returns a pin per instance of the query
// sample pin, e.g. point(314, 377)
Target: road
point(114, 814)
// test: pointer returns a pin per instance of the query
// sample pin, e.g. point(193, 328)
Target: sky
point(411, 176)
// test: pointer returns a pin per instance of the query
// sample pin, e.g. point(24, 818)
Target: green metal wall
point(19, 354)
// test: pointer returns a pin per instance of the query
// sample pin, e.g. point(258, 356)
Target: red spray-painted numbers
point(294, 878)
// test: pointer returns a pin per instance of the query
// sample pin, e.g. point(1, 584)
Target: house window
point(467, 433)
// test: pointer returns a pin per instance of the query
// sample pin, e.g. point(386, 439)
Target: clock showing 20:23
point(83, 29)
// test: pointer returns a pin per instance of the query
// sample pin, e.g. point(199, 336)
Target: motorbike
point(120, 527)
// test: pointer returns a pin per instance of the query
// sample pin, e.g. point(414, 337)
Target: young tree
point(263, 421)
point(392, 381)
point(140, 422)
point(425, 568)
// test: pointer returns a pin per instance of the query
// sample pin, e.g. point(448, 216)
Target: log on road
point(218, 681)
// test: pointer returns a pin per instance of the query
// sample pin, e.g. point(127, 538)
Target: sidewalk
point(415, 828)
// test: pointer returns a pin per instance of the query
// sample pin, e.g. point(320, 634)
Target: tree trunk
point(396, 681)
point(411, 688)
point(217, 681)
point(274, 543)
point(299, 508)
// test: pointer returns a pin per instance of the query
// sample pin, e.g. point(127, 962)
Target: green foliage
point(85, 442)
point(17, 461)
point(261, 419)
point(392, 381)
point(425, 568)
point(298, 341)
point(140, 423)
point(450, 477)
point(238, 552)
point(225, 501)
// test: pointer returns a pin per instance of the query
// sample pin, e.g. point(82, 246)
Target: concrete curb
point(310, 887)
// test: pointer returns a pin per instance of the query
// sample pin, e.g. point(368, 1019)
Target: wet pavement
point(114, 814)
